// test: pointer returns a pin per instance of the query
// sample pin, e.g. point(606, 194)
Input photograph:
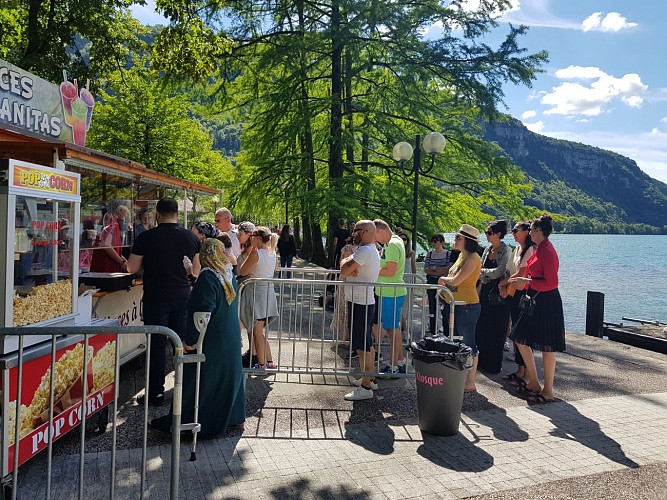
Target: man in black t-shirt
point(160, 251)
point(340, 234)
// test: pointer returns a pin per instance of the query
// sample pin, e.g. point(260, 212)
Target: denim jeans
point(286, 261)
point(172, 315)
point(465, 322)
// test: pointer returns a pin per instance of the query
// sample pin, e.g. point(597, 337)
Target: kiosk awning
point(25, 146)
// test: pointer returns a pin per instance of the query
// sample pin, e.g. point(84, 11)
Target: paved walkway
point(495, 451)
point(606, 437)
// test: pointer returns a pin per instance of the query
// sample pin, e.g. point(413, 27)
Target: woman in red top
point(544, 329)
point(107, 257)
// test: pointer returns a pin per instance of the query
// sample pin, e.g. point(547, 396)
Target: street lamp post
point(433, 144)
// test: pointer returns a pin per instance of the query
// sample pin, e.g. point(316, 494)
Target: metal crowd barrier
point(86, 332)
point(308, 333)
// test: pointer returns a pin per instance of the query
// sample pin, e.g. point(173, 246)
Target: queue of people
point(188, 273)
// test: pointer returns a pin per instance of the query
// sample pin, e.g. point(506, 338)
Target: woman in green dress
point(221, 391)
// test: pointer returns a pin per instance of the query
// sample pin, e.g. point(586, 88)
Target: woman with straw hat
point(462, 281)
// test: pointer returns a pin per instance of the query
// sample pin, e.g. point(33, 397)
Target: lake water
point(631, 271)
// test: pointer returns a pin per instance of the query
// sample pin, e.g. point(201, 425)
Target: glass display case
point(39, 209)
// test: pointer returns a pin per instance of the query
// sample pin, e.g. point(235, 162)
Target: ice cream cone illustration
point(89, 100)
point(78, 121)
point(68, 92)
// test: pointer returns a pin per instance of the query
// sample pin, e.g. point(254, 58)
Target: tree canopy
point(324, 89)
point(88, 39)
point(141, 118)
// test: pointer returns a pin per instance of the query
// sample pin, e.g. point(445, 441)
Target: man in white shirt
point(362, 266)
point(224, 222)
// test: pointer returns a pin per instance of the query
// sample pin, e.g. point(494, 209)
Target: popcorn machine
point(39, 209)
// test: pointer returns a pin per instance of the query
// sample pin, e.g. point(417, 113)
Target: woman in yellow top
point(462, 281)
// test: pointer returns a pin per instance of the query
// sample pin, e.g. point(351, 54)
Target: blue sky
point(604, 84)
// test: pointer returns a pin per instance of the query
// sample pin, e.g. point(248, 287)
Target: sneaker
point(157, 400)
point(270, 365)
point(248, 360)
point(357, 383)
point(389, 370)
point(359, 394)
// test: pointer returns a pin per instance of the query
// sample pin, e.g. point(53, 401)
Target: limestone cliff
point(582, 180)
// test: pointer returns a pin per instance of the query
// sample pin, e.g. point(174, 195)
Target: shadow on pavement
point(302, 488)
point(455, 453)
point(571, 424)
point(378, 437)
point(495, 417)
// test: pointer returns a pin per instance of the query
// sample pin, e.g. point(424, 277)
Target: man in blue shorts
point(391, 298)
point(362, 266)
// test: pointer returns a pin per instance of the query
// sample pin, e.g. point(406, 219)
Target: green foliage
point(142, 119)
point(324, 90)
point(12, 27)
point(88, 39)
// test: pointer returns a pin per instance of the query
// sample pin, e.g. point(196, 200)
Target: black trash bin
point(440, 369)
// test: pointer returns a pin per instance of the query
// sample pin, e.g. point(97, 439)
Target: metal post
point(415, 193)
point(594, 314)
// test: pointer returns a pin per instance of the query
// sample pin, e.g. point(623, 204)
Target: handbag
point(527, 304)
point(494, 298)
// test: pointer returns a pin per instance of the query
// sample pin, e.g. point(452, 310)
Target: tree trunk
point(33, 49)
point(336, 118)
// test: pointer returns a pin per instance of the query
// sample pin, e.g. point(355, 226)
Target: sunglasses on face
point(358, 230)
point(437, 241)
point(488, 233)
point(405, 239)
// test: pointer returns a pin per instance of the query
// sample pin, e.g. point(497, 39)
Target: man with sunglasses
point(363, 266)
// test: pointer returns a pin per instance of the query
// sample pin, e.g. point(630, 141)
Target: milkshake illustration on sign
point(78, 109)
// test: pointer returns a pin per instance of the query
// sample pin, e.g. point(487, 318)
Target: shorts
point(390, 310)
point(359, 317)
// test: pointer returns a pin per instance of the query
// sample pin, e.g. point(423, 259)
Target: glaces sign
point(33, 104)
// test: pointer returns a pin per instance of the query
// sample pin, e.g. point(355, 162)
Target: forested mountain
point(582, 181)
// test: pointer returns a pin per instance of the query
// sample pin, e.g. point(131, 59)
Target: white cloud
point(579, 72)
point(663, 119)
point(536, 127)
point(527, 115)
point(473, 6)
point(536, 13)
point(613, 22)
point(593, 96)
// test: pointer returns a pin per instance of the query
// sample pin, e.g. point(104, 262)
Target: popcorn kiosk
point(38, 205)
point(62, 206)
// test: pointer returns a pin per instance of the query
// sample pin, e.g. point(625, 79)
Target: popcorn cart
point(65, 208)
point(38, 205)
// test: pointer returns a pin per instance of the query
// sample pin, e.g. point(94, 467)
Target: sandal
point(519, 382)
point(523, 389)
point(539, 399)
point(512, 376)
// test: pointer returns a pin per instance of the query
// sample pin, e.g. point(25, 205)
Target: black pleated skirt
point(545, 329)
